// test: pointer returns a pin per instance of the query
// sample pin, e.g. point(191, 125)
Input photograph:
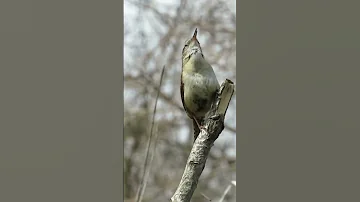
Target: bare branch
point(214, 125)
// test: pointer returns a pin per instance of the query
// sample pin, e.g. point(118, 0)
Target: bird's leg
point(199, 126)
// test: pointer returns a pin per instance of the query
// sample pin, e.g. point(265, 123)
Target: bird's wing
point(182, 95)
point(196, 128)
point(188, 112)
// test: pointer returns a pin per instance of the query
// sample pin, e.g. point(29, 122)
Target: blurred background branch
point(155, 32)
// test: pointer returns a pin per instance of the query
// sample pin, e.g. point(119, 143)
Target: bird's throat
point(196, 63)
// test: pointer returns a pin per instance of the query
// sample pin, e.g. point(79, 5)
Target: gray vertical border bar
point(61, 100)
point(298, 102)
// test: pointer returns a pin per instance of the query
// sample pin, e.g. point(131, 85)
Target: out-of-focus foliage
point(155, 32)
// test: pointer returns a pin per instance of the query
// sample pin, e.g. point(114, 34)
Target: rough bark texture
point(214, 125)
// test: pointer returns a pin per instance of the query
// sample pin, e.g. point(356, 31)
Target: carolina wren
point(199, 84)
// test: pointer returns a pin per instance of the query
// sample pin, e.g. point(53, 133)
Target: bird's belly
point(198, 95)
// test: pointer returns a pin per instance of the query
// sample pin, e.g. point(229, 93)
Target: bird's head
point(191, 47)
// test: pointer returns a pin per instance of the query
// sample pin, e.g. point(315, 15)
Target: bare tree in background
point(155, 33)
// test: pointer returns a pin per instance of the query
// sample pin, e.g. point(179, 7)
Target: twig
point(214, 125)
point(207, 198)
point(147, 165)
point(232, 183)
point(225, 192)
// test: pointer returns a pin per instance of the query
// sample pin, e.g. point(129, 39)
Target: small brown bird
point(199, 84)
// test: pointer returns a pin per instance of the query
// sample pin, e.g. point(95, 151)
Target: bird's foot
point(202, 128)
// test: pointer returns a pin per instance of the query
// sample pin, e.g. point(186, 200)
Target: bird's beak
point(194, 36)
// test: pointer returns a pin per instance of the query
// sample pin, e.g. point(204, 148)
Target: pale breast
point(200, 84)
point(199, 90)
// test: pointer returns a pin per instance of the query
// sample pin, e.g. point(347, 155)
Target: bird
point(198, 85)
